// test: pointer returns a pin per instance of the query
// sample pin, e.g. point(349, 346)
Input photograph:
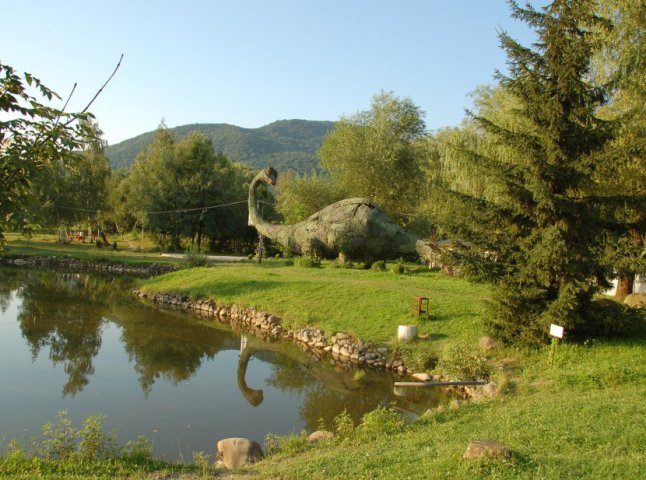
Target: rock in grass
point(486, 448)
point(636, 300)
point(487, 343)
point(320, 435)
point(236, 452)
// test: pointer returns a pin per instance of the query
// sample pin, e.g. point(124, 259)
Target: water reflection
point(70, 330)
point(64, 316)
point(160, 346)
point(253, 396)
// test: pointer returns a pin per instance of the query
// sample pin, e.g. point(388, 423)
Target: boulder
point(487, 343)
point(636, 300)
point(489, 390)
point(422, 377)
point(320, 435)
point(236, 452)
point(486, 448)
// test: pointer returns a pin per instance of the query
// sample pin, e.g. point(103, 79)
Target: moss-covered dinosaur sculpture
point(354, 228)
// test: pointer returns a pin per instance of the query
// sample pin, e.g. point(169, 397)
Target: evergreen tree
point(538, 239)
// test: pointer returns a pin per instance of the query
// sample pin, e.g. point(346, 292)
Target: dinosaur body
point(355, 228)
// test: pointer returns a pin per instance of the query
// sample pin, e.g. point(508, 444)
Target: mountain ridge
point(284, 144)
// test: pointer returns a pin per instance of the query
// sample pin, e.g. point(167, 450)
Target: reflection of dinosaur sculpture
point(254, 397)
point(354, 228)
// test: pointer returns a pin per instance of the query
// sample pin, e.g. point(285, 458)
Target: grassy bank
point(129, 249)
point(578, 413)
point(580, 417)
point(367, 304)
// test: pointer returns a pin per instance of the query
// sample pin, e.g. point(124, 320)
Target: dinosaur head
point(269, 175)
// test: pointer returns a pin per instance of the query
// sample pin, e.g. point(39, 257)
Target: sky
point(252, 62)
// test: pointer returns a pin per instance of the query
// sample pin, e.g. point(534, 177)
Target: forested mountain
point(285, 144)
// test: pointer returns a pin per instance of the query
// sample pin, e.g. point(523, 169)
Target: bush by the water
point(461, 362)
point(63, 451)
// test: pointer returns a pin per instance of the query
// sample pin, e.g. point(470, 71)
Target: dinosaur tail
point(428, 250)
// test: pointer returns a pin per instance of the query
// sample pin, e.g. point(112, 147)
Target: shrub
point(290, 444)
point(307, 262)
point(93, 442)
point(201, 460)
point(378, 266)
point(607, 318)
point(343, 425)
point(58, 440)
point(398, 267)
point(193, 258)
point(380, 422)
point(138, 451)
point(418, 360)
point(461, 362)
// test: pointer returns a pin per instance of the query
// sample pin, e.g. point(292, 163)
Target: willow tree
point(538, 239)
point(375, 154)
point(621, 63)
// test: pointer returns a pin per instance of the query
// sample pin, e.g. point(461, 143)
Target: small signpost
point(557, 332)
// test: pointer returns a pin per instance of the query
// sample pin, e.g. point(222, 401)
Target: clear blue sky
point(251, 62)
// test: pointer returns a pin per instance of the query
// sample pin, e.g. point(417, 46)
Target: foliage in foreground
point(63, 451)
point(575, 414)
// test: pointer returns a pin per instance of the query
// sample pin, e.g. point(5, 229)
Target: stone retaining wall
point(341, 348)
point(75, 264)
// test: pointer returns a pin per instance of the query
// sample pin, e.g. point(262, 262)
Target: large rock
point(636, 300)
point(237, 452)
point(320, 435)
point(487, 343)
point(486, 448)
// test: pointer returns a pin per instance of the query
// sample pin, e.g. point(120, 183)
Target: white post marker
point(556, 331)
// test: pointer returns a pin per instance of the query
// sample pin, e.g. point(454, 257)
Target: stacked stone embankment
point(341, 348)
point(75, 264)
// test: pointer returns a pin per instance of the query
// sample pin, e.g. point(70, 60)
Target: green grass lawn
point(130, 250)
point(583, 416)
point(579, 414)
point(369, 305)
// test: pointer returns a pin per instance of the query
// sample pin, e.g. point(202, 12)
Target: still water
point(83, 343)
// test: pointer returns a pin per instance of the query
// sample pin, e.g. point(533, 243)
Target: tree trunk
point(624, 286)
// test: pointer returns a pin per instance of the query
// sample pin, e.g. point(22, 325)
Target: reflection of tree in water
point(10, 281)
point(62, 311)
point(164, 344)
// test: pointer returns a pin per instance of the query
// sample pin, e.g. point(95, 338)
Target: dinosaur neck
point(255, 217)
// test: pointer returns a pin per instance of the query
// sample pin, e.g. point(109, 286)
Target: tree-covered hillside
point(285, 144)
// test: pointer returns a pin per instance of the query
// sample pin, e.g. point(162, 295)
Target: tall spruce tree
point(538, 240)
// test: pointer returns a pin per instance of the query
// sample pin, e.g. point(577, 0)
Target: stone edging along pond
point(75, 264)
point(343, 349)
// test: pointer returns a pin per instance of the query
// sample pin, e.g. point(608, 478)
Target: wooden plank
point(437, 384)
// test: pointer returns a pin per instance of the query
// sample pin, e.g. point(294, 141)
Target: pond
point(83, 343)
